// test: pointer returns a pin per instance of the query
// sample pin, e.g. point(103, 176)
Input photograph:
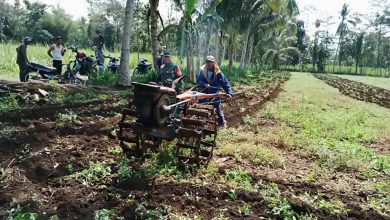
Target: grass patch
point(97, 174)
point(320, 203)
point(279, 206)
point(67, 119)
point(332, 127)
point(106, 78)
point(19, 214)
point(379, 196)
point(238, 179)
point(9, 103)
point(163, 163)
point(241, 145)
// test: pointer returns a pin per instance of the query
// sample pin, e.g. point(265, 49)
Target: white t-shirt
point(57, 52)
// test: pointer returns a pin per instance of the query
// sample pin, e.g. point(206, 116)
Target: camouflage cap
point(167, 54)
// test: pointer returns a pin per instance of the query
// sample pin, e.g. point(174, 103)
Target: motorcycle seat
point(42, 67)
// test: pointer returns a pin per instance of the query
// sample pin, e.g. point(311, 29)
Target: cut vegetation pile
point(358, 90)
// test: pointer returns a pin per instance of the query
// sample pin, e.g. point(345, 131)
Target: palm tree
point(315, 46)
point(258, 17)
point(154, 15)
point(186, 32)
point(292, 7)
point(230, 11)
point(342, 29)
point(124, 76)
point(282, 49)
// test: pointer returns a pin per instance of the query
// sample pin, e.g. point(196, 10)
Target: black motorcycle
point(47, 73)
point(70, 77)
point(143, 67)
point(40, 72)
point(113, 64)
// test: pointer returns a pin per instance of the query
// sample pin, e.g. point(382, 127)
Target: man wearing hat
point(21, 58)
point(210, 80)
point(169, 72)
point(56, 51)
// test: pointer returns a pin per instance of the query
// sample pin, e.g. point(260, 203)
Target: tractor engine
point(149, 101)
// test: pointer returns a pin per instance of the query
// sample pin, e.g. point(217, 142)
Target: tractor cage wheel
point(196, 137)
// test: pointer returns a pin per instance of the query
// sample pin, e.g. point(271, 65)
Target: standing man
point(211, 79)
point(21, 58)
point(100, 56)
point(56, 51)
point(169, 72)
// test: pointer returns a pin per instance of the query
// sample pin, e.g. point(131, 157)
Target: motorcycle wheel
point(28, 77)
point(78, 81)
point(136, 72)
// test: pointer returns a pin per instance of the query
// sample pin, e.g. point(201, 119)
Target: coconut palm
point(282, 49)
point(292, 7)
point(186, 31)
point(342, 29)
point(154, 15)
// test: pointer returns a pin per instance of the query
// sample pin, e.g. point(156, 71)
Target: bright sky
point(328, 12)
point(311, 10)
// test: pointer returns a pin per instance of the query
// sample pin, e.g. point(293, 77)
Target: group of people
point(210, 80)
point(56, 51)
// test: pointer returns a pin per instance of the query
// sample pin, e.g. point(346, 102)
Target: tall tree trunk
point(378, 61)
point(153, 30)
point(125, 75)
point(231, 52)
point(189, 58)
point(208, 43)
point(335, 56)
point(216, 43)
point(339, 46)
point(244, 49)
point(250, 51)
point(221, 49)
point(199, 38)
point(357, 65)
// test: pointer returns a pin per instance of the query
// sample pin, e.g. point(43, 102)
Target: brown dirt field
point(358, 90)
point(37, 153)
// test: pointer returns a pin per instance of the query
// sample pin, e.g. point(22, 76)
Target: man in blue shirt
point(210, 80)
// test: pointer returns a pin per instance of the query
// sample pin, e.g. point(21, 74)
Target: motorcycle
point(85, 65)
point(43, 73)
point(143, 67)
point(70, 77)
point(47, 73)
point(113, 64)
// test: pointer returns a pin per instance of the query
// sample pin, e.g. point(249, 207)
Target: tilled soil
point(358, 90)
point(36, 153)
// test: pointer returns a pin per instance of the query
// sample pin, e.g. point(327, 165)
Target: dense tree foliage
point(251, 33)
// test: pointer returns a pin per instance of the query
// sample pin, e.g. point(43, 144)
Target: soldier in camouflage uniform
point(169, 72)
